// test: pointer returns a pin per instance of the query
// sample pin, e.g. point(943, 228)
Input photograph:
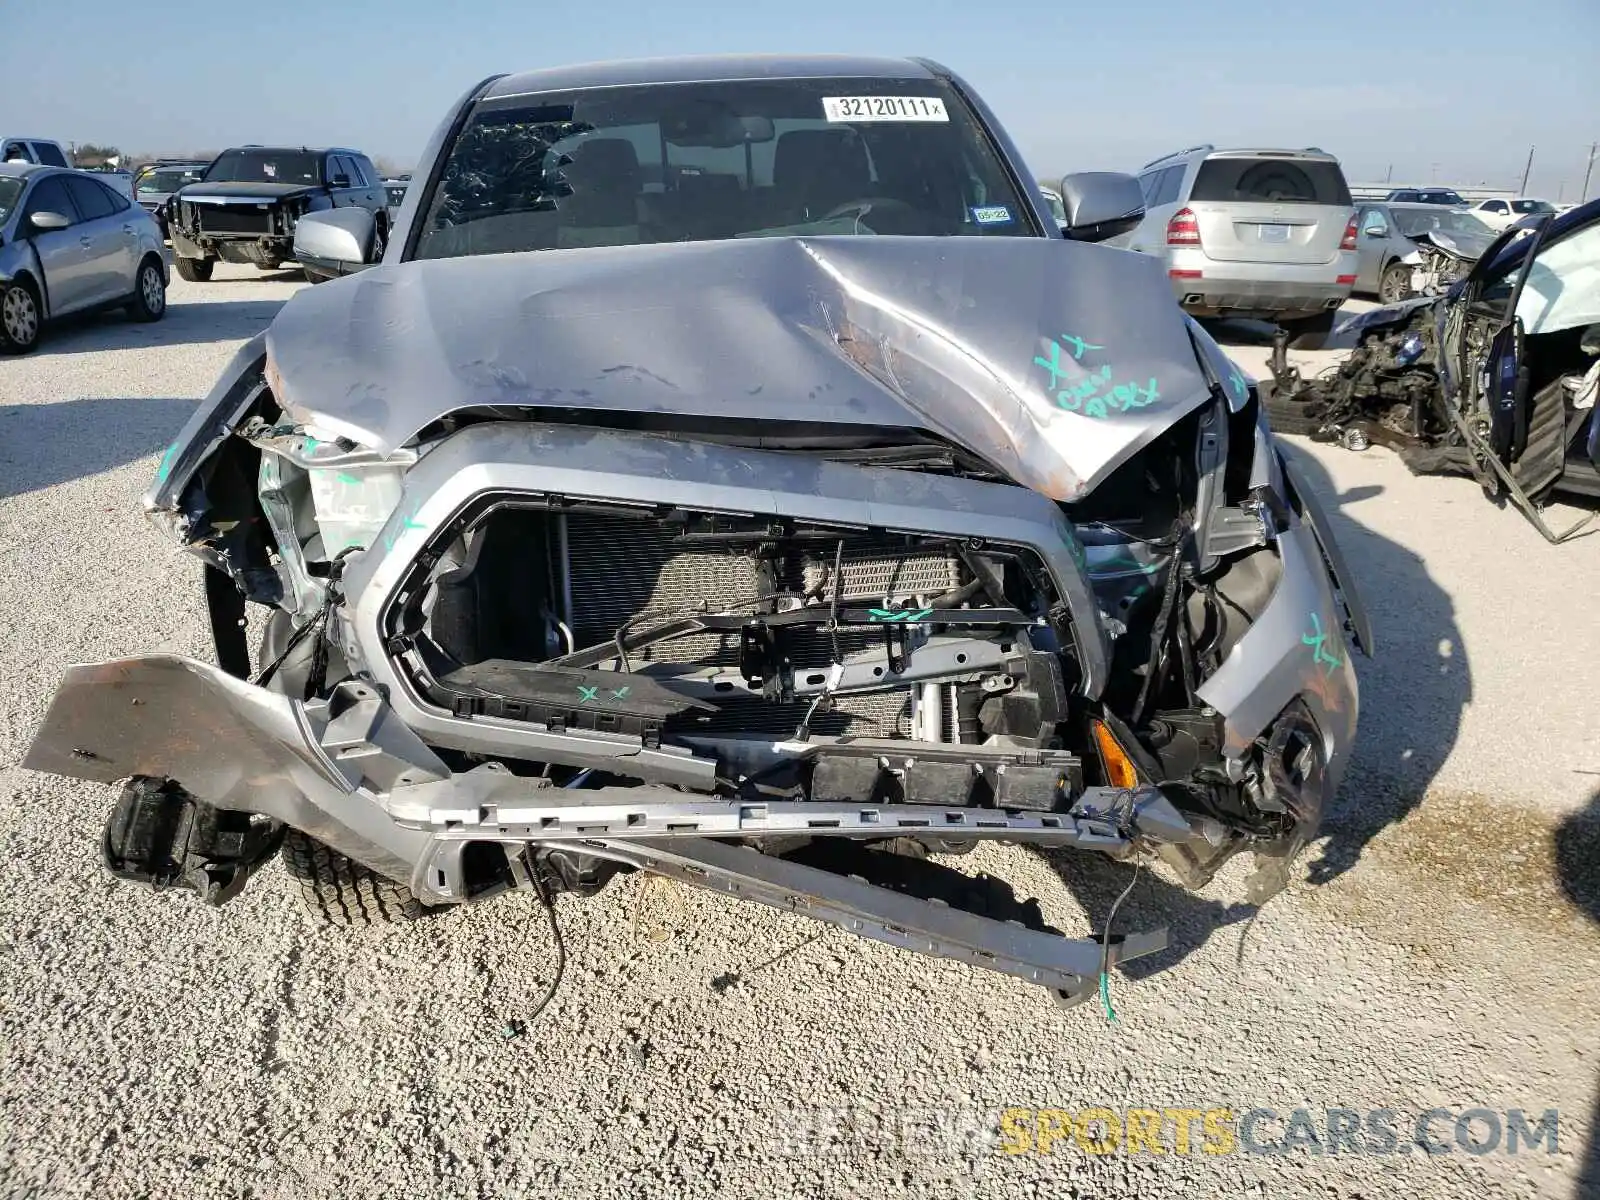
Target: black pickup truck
point(244, 208)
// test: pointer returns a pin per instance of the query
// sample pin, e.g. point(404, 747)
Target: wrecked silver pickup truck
point(641, 509)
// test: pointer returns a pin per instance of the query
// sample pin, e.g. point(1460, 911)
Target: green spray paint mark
point(1053, 363)
point(407, 525)
point(591, 695)
point(1237, 385)
point(345, 477)
point(1072, 396)
point(1318, 640)
point(167, 459)
point(908, 617)
point(1094, 394)
point(1124, 565)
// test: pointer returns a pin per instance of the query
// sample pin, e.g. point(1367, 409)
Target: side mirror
point(339, 241)
point(340, 181)
point(1100, 205)
point(45, 221)
point(1376, 231)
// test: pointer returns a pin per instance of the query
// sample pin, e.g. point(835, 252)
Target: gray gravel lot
point(1441, 949)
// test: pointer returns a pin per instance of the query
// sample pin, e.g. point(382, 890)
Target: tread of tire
point(192, 273)
point(341, 891)
point(1287, 416)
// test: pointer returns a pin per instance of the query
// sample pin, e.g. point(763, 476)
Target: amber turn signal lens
point(1119, 767)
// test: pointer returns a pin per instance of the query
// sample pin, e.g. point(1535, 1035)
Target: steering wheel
point(868, 204)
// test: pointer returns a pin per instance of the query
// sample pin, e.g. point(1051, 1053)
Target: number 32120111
point(884, 108)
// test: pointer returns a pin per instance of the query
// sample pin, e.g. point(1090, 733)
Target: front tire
point(149, 301)
point(195, 270)
point(340, 891)
point(1395, 286)
point(21, 318)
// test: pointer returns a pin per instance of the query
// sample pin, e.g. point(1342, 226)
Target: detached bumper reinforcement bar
point(658, 813)
point(1070, 967)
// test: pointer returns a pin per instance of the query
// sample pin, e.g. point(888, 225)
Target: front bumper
point(351, 773)
point(358, 770)
point(245, 248)
point(347, 772)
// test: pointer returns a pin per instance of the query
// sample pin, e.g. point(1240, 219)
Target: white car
point(1503, 213)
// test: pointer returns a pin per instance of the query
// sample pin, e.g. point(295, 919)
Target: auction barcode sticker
point(884, 108)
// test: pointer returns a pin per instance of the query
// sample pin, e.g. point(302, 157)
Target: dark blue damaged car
point(731, 469)
point(1496, 380)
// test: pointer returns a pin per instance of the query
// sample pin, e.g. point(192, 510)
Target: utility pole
point(1526, 171)
point(1584, 194)
point(1388, 175)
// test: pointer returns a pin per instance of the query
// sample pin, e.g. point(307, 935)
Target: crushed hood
point(1466, 246)
point(1052, 360)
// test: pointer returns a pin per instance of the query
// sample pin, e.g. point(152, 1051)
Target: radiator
point(621, 567)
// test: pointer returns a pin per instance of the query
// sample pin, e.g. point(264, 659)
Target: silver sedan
point(70, 244)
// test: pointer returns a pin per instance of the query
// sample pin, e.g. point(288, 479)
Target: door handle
point(85, 241)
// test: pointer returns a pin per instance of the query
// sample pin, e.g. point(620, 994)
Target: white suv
point(1252, 233)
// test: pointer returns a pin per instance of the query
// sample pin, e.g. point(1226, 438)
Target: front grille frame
point(561, 467)
point(620, 562)
point(241, 219)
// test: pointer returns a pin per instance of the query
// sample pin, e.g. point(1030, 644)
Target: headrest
point(604, 162)
point(803, 155)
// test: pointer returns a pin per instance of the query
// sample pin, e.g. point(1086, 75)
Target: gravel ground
point(1440, 950)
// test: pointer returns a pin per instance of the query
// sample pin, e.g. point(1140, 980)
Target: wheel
point(1309, 333)
point(340, 891)
point(149, 301)
point(195, 270)
point(1395, 285)
point(1287, 416)
point(20, 318)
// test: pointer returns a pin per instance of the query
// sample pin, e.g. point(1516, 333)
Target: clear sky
point(1453, 90)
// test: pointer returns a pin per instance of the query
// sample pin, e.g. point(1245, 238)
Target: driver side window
point(50, 195)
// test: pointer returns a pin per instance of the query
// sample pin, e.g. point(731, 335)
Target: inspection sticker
point(884, 108)
point(992, 214)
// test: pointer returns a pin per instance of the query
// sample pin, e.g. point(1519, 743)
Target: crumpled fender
point(1294, 651)
point(1316, 518)
point(210, 425)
